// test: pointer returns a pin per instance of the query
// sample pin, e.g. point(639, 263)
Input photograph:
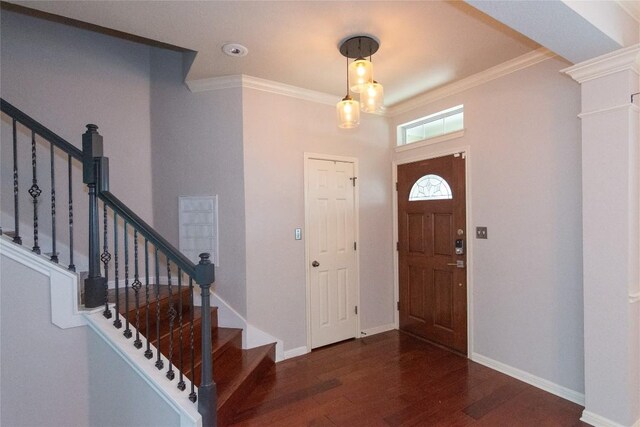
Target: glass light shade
point(348, 113)
point(360, 73)
point(372, 98)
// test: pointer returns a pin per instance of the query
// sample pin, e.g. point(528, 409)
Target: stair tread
point(221, 339)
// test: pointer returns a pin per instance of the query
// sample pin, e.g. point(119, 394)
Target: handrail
point(149, 233)
point(38, 128)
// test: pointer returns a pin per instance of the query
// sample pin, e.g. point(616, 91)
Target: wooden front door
point(432, 274)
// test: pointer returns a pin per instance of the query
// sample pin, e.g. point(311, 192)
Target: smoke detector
point(235, 49)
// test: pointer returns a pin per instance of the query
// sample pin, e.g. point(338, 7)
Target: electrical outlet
point(481, 233)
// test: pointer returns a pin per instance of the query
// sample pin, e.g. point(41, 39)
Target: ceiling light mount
point(359, 47)
point(235, 49)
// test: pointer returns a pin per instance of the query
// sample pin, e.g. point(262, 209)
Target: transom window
point(430, 187)
point(437, 124)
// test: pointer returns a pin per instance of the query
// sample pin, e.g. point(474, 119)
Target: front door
point(332, 251)
point(432, 239)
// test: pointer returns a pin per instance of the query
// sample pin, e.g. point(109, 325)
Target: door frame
point(356, 225)
point(426, 155)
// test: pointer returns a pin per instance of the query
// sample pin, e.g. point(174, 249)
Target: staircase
point(160, 316)
point(235, 371)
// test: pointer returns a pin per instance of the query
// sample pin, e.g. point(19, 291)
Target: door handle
point(459, 264)
point(315, 264)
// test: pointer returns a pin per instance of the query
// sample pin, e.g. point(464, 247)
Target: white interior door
point(332, 251)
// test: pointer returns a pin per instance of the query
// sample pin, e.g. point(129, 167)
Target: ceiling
point(423, 44)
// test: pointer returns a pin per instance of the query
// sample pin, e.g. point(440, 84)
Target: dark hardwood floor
point(392, 379)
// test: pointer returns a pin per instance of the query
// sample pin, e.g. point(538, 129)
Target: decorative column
point(611, 235)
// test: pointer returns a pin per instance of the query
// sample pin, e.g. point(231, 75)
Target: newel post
point(95, 173)
point(207, 393)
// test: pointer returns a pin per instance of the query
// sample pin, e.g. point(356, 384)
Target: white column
point(611, 236)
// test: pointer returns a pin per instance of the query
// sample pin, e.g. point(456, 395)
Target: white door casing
point(331, 243)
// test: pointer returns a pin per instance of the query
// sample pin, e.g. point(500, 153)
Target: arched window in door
point(430, 187)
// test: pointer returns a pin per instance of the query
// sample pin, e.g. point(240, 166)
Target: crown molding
point(250, 82)
point(631, 7)
point(627, 58)
point(288, 90)
point(214, 83)
point(500, 70)
point(264, 85)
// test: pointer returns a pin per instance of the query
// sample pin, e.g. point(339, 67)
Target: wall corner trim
point(500, 70)
point(541, 383)
point(627, 58)
point(599, 421)
point(65, 310)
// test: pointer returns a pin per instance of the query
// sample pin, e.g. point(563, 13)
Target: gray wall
point(66, 77)
point(119, 396)
point(197, 150)
point(44, 374)
point(278, 130)
point(525, 176)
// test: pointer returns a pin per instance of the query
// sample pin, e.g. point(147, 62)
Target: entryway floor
point(392, 379)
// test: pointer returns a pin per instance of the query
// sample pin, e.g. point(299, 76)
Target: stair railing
point(95, 171)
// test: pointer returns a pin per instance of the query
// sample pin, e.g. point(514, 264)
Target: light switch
point(298, 233)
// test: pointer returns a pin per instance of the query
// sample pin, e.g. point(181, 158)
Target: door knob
point(315, 264)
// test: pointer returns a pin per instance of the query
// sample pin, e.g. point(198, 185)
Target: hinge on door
point(355, 246)
point(356, 309)
point(397, 246)
point(398, 305)
point(396, 186)
point(353, 180)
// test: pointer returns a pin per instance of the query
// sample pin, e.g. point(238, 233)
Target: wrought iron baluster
point(34, 192)
point(16, 203)
point(54, 253)
point(172, 316)
point(181, 384)
point(105, 257)
point(117, 322)
point(127, 331)
point(159, 362)
point(148, 353)
point(72, 267)
point(192, 396)
point(136, 285)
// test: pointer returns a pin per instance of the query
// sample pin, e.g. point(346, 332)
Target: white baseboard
point(295, 352)
point(528, 378)
point(598, 421)
point(377, 330)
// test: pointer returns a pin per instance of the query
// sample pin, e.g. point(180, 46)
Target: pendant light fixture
point(371, 97)
point(360, 80)
point(348, 109)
